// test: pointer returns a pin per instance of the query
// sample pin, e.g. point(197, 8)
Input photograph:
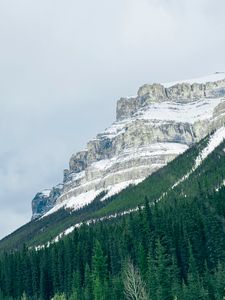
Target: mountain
point(199, 170)
point(162, 239)
point(150, 130)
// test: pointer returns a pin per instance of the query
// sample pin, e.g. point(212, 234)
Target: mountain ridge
point(151, 130)
point(44, 230)
point(213, 142)
point(175, 244)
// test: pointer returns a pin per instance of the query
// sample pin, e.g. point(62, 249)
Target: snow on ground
point(157, 113)
point(92, 221)
point(81, 200)
point(132, 153)
point(223, 184)
point(129, 154)
point(180, 112)
point(115, 129)
point(215, 140)
point(154, 149)
point(209, 78)
point(77, 176)
point(75, 202)
point(115, 189)
point(171, 111)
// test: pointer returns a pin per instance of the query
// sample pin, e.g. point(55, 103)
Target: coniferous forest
point(162, 252)
point(166, 250)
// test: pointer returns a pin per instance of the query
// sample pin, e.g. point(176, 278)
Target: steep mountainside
point(170, 247)
point(151, 129)
point(197, 172)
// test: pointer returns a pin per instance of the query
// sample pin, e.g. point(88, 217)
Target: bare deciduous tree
point(134, 287)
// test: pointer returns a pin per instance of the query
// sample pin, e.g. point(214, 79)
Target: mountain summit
point(150, 130)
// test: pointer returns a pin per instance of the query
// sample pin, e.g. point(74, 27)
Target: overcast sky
point(63, 65)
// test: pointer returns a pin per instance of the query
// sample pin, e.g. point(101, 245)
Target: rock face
point(45, 200)
point(151, 129)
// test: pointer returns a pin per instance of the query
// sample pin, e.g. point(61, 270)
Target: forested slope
point(174, 247)
point(45, 229)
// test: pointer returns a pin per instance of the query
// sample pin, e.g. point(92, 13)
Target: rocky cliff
point(45, 200)
point(150, 130)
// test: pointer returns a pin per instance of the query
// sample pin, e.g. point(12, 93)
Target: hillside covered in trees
point(168, 249)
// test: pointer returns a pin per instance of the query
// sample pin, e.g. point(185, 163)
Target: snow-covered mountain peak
point(190, 91)
point(150, 130)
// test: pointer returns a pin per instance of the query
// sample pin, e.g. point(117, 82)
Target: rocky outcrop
point(45, 200)
point(151, 129)
point(181, 92)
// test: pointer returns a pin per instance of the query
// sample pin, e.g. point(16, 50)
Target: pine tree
point(163, 273)
point(99, 272)
point(142, 260)
point(35, 273)
point(176, 285)
point(45, 283)
point(87, 284)
point(219, 282)
point(151, 277)
point(195, 289)
point(76, 286)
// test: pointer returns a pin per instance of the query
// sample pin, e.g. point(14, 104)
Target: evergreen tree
point(88, 295)
point(163, 273)
point(151, 277)
point(219, 282)
point(195, 289)
point(99, 272)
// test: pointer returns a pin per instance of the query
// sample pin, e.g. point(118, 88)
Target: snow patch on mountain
point(138, 152)
point(91, 221)
point(180, 112)
point(77, 202)
point(215, 140)
point(115, 189)
point(151, 130)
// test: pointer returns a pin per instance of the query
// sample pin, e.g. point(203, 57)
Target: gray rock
point(45, 200)
point(151, 129)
